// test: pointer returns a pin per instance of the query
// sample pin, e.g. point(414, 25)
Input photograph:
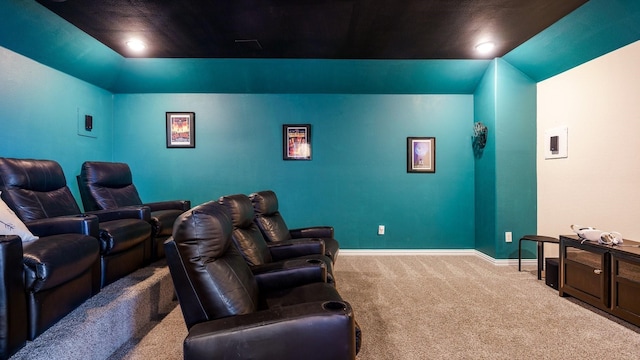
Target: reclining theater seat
point(44, 278)
point(233, 314)
point(37, 190)
point(109, 185)
point(13, 308)
point(255, 249)
point(274, 228)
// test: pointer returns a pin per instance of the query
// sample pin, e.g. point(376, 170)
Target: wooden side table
point(540, 240)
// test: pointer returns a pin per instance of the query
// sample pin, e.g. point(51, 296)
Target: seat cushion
point(123, 234)
point(54, 260)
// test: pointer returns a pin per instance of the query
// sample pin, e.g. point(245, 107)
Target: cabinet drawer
point(605, 276)
point(587, 280)
point(626, 289)
point(626, 295)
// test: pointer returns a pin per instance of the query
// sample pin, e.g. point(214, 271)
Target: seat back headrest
point(218, 276)
point(240, 208)
point(268, 218)
point(206, 228)
point(36, 189)
point(247, 237)
point(31, 174)
point(264, 202)
point(107, 185)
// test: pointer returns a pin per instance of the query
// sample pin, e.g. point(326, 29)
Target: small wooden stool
point(540, 240)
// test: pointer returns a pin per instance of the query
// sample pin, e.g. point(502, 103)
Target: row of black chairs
point(250, 288)
point(68, 255)
point(74, 254)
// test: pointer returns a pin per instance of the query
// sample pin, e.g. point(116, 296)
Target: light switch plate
point(82, 131)
point(556, 144)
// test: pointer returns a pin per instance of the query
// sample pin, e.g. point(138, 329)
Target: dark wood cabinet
point(605, 276)
point(625, 291)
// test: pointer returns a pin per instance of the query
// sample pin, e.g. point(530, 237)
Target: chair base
point(121, 264)
point(49, 306)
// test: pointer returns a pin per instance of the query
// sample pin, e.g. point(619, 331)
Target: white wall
point(599, 183)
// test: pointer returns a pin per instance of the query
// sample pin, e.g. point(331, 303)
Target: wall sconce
point(479, 138)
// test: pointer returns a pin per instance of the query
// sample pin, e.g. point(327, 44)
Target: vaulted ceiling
point(313, 29)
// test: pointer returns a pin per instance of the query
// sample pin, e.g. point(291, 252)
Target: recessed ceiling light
point(485, 47)
point(136, 45)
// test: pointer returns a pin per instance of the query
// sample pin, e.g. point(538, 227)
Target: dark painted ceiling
point(313, 29)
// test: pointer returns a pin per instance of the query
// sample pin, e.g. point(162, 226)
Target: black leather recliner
point(274, 228)
point(36, 190)
point(109, 185)
point(255, 249)
point(59, 270)
point(232, 313)
point(13, 307)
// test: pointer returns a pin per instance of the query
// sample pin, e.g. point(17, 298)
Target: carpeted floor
point(102, 324)
point(459, 307)
point(447, 307)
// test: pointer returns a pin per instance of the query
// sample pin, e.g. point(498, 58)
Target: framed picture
point(421, 154)
point(181, 129)
point(296, 142)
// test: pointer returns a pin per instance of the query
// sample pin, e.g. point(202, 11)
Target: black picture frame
point(181, 129)
point(296, 142)
point(421, 154)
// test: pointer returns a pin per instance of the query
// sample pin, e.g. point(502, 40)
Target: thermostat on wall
point(556, 143)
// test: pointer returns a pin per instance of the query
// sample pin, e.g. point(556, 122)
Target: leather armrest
point(183, 205)
point(312, 232)
point(125, 212)
point(72, 224)
point(295, 248)
point(288, 274)
point(315, 330)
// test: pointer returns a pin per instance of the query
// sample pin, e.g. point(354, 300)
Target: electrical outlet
point(508, 236)
point(380, 229)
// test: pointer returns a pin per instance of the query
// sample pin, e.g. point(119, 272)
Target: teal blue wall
point(32, 30)
point(356, 180)
point(515, 157)
point(39, 115)
point(298, 76)
point(505, 175)
point(485, 164)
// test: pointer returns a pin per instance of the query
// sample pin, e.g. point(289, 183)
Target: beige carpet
point(102, 324)
point(449, 307)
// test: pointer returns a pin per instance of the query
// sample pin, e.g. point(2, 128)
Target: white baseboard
point(432, 252)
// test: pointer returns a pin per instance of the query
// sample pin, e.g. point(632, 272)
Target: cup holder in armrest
point(314, 261)
point(334, 306)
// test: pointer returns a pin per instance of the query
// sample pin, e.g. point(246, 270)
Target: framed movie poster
point(181, 129)
point(421, 154)
point(296, 142)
